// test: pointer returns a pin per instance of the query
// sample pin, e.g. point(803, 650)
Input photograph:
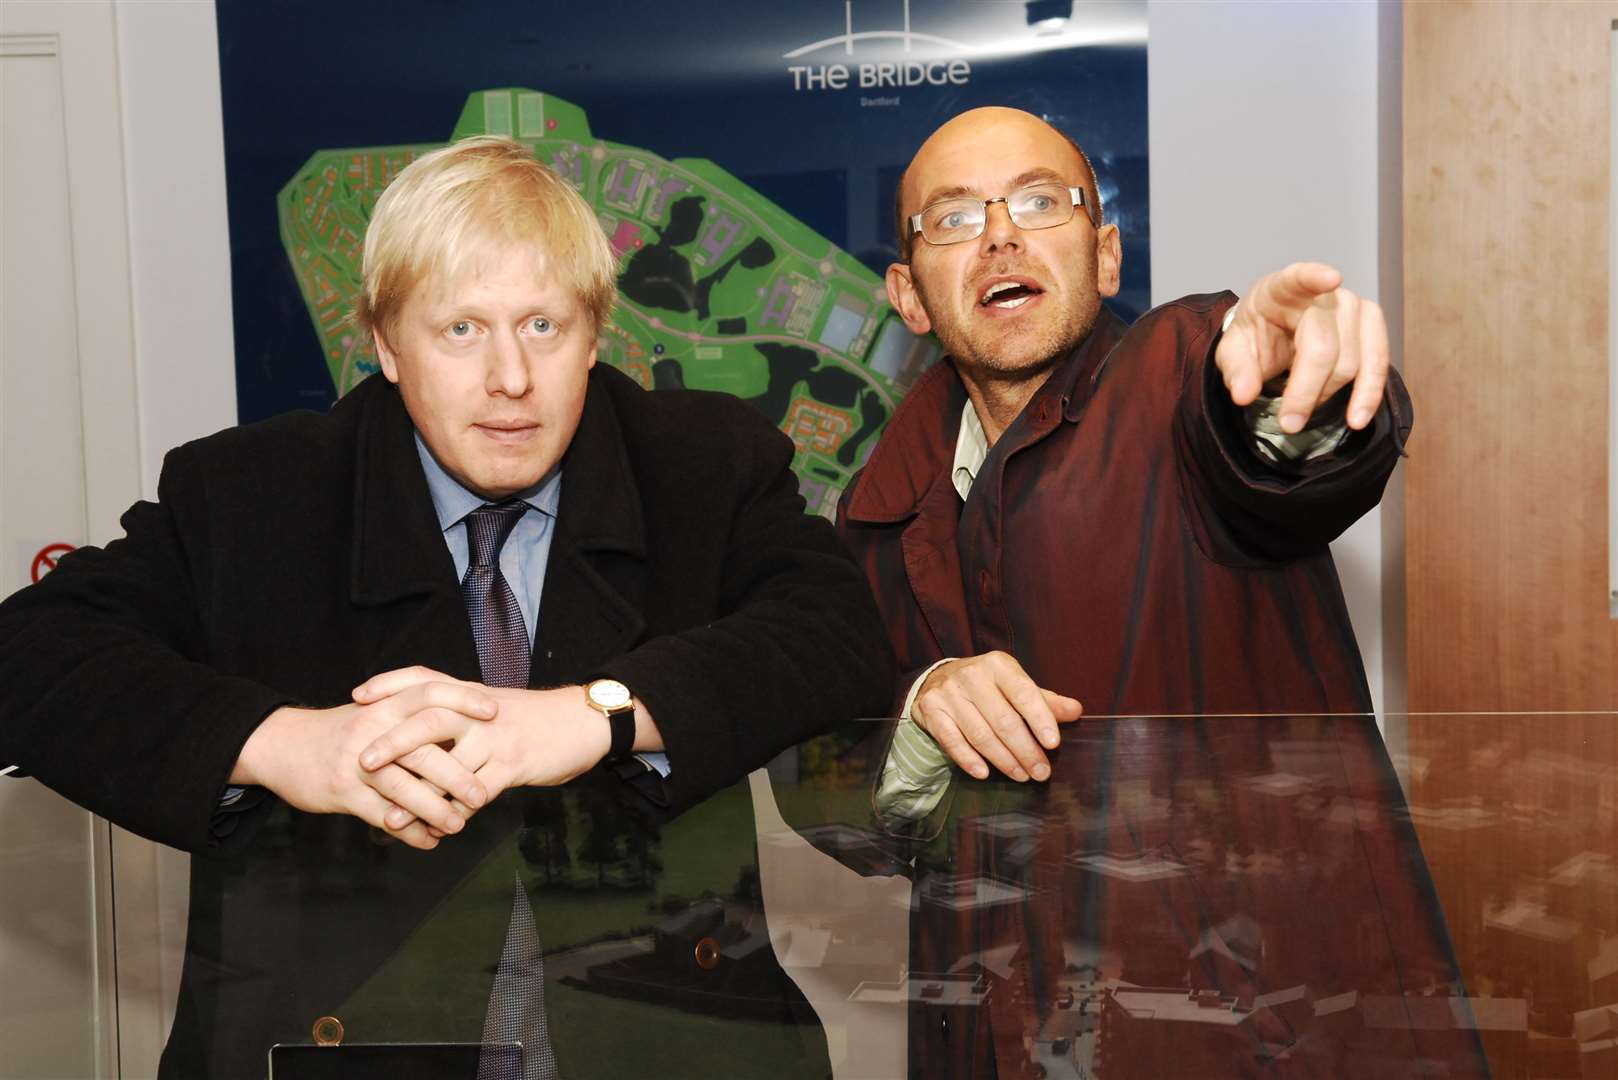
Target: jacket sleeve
point(798, 646)
point(1250, 509)
point(105, 691)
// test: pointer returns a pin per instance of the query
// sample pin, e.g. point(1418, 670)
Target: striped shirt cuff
point(917, 773)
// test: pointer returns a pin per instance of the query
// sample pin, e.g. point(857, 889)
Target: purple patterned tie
point(516, 1010)
point(497, 626)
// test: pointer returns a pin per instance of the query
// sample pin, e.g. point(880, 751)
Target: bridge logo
point(910, 58)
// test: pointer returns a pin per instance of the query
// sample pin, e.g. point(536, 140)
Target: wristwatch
point(613, 700)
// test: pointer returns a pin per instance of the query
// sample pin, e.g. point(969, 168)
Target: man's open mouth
point(1008, 294)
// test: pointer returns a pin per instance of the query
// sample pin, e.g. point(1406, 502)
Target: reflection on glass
point(1518, 816)
point(1187, 897)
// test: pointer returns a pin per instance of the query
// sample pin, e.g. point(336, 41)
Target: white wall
point(174, 155)
point(1264, 151)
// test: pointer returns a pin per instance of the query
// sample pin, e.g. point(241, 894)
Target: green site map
point(720, 289)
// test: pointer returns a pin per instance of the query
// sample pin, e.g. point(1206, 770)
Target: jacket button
point(328, 1031)
point(707, 953)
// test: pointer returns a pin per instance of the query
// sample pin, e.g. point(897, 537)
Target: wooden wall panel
point(1505, 344)
point(1506, 164)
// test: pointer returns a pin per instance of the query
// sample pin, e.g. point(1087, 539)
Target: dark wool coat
point(287, 561)
point(1127, 546)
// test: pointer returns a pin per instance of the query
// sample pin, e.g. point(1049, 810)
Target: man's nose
point(508, 372)
point(999, 231)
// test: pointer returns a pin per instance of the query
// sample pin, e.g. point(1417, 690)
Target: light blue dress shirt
point(527, 549)
point(526, 552)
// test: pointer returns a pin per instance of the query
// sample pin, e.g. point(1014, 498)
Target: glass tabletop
point(1186, 896)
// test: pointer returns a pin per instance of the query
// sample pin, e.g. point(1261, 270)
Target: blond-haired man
point(495, 565)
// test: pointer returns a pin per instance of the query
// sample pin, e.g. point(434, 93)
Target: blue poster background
point(710, 79)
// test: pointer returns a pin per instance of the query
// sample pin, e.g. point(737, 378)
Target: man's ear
point(390, 362)
point(906, 300)
point(1109, 260)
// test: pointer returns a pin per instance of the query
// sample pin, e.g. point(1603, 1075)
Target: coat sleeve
point(105, 692)
point(1249, 509)
point(798, 646)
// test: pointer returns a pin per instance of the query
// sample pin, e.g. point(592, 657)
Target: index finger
point(1025, 696)
point(387, 683)
point(423, 728)
point(1283, 297)
point(451, 775)
point(469, 699)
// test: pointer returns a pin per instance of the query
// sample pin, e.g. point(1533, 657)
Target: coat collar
point(917, 446)
point(398, 547)
point(601, 504)
point(1088, 365)
point(919, 443)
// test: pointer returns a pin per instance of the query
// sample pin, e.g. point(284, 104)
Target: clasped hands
point(417, 752)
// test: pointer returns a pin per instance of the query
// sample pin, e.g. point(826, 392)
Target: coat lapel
point(401, 568)
point(595, 581)
point(909, 477)
point(933, 566)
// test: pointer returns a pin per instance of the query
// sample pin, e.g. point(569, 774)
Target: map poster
point(742, 157)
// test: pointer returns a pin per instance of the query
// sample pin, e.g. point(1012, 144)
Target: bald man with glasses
point(1070, 510)
point(1088, 500)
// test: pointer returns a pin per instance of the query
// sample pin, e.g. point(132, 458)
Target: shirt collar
point(971, 447)
point(452, 501)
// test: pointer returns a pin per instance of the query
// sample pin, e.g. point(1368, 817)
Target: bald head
point(948, 159)
point(1056, 273)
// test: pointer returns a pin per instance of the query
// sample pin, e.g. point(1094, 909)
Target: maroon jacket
point(1121, 540)
point(1127, 546)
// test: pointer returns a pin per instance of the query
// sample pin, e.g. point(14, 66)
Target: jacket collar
point(1076, 383)
point(398, 547)
point(601, 505)
point(919, 442)
point(917, 446)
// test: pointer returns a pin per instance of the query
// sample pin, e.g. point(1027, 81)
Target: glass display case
point(1187, 896)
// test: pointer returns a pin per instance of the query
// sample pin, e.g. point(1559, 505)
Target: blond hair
point(456, 203)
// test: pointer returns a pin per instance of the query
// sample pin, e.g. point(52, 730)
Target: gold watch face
point(608, 694)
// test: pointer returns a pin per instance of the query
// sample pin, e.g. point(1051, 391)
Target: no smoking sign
point(45, 560)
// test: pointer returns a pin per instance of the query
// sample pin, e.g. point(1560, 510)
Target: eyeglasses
point(954, 221)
